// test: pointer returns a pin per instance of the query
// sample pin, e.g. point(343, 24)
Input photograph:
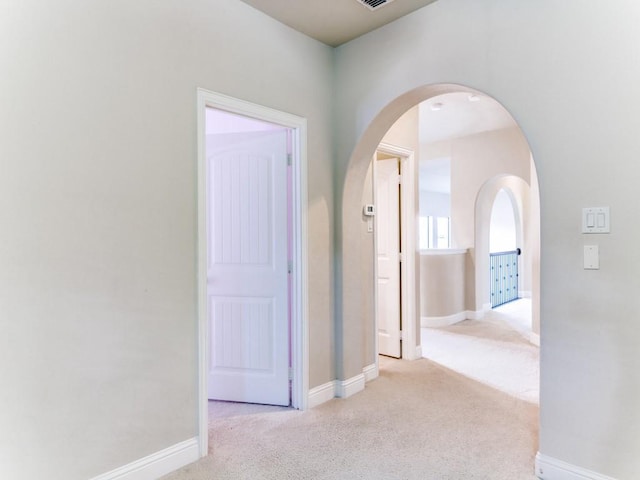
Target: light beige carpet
point(418, 420)
point(495, 350)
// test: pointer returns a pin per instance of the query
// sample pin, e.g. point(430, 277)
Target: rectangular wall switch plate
point(591, 257)
point(595, 220)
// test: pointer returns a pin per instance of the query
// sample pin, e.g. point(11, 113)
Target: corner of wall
point(157, 464)
point(548, 468)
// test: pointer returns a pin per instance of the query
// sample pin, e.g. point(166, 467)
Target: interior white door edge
point(388, 232)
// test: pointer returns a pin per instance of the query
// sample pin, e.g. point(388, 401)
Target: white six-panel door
point(388, 257)
point(247, 268)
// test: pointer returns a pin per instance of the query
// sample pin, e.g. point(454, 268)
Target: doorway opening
point(504, 251)
point(452, 283)
point(251, 255)
point(248, 256)
point(463, 265)
point(491, 202)
point(394, 237)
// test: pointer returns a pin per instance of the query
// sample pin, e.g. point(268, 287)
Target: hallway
point(417, 421)
point(494, 351)
point(449, 416)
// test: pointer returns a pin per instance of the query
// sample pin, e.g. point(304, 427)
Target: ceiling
point(454, 115)
point(335, 22)
point(459, 114)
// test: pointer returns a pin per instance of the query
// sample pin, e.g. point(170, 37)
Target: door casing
point(408, 299)
point(388, 258)
point(299, 292)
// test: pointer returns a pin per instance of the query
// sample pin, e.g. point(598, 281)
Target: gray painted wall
point(567, 72)
point(98, 350)
point(97, 204)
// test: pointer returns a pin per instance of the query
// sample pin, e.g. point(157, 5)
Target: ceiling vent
point(374, 4)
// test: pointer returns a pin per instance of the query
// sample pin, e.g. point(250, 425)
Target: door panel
point(388, 258)
point(248, 269)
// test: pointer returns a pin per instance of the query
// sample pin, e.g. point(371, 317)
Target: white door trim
point(299, 300)
point(410, 347)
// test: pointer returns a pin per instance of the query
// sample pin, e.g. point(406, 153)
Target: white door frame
point(408, 299)
point(299, 293)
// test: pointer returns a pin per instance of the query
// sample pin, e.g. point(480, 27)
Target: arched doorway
point(525, 202)
point(354, 272)
point(505, 284)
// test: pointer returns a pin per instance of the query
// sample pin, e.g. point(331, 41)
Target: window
point(424, 233)
point(442, 232)
point(434, 232)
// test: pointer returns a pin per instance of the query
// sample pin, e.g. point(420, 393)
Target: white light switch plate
point(591, 257)
point(595, 220)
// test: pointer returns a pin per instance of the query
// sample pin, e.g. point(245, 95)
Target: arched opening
point(354, 299)
point(523, 199)
point(355, 302)
point(505, 241)
point(503, 228)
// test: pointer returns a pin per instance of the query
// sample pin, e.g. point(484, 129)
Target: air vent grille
point(374, 4)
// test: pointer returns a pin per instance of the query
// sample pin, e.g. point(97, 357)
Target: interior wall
point(98, 196)
point(368, 284)
point(533, 241)
point(475, 160)
point(435, 204)
point(562, 69)
point(442, 286)
point(403, 133)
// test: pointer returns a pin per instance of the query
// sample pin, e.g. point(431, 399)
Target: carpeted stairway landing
point(418, 420)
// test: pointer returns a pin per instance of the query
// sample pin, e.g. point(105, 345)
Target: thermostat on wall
point(369, 210)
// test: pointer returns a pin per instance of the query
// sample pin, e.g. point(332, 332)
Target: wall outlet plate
point(591, 257)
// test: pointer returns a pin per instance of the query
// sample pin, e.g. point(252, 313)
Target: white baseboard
point(157, 464)
point(548, 468)
point(323, 393)
point(370, 372)
point(411, 354)
point(341, 389)
point(534, 338)
point(477, 314)
point(351, 386)
point(419, 351)
point(434, 322)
